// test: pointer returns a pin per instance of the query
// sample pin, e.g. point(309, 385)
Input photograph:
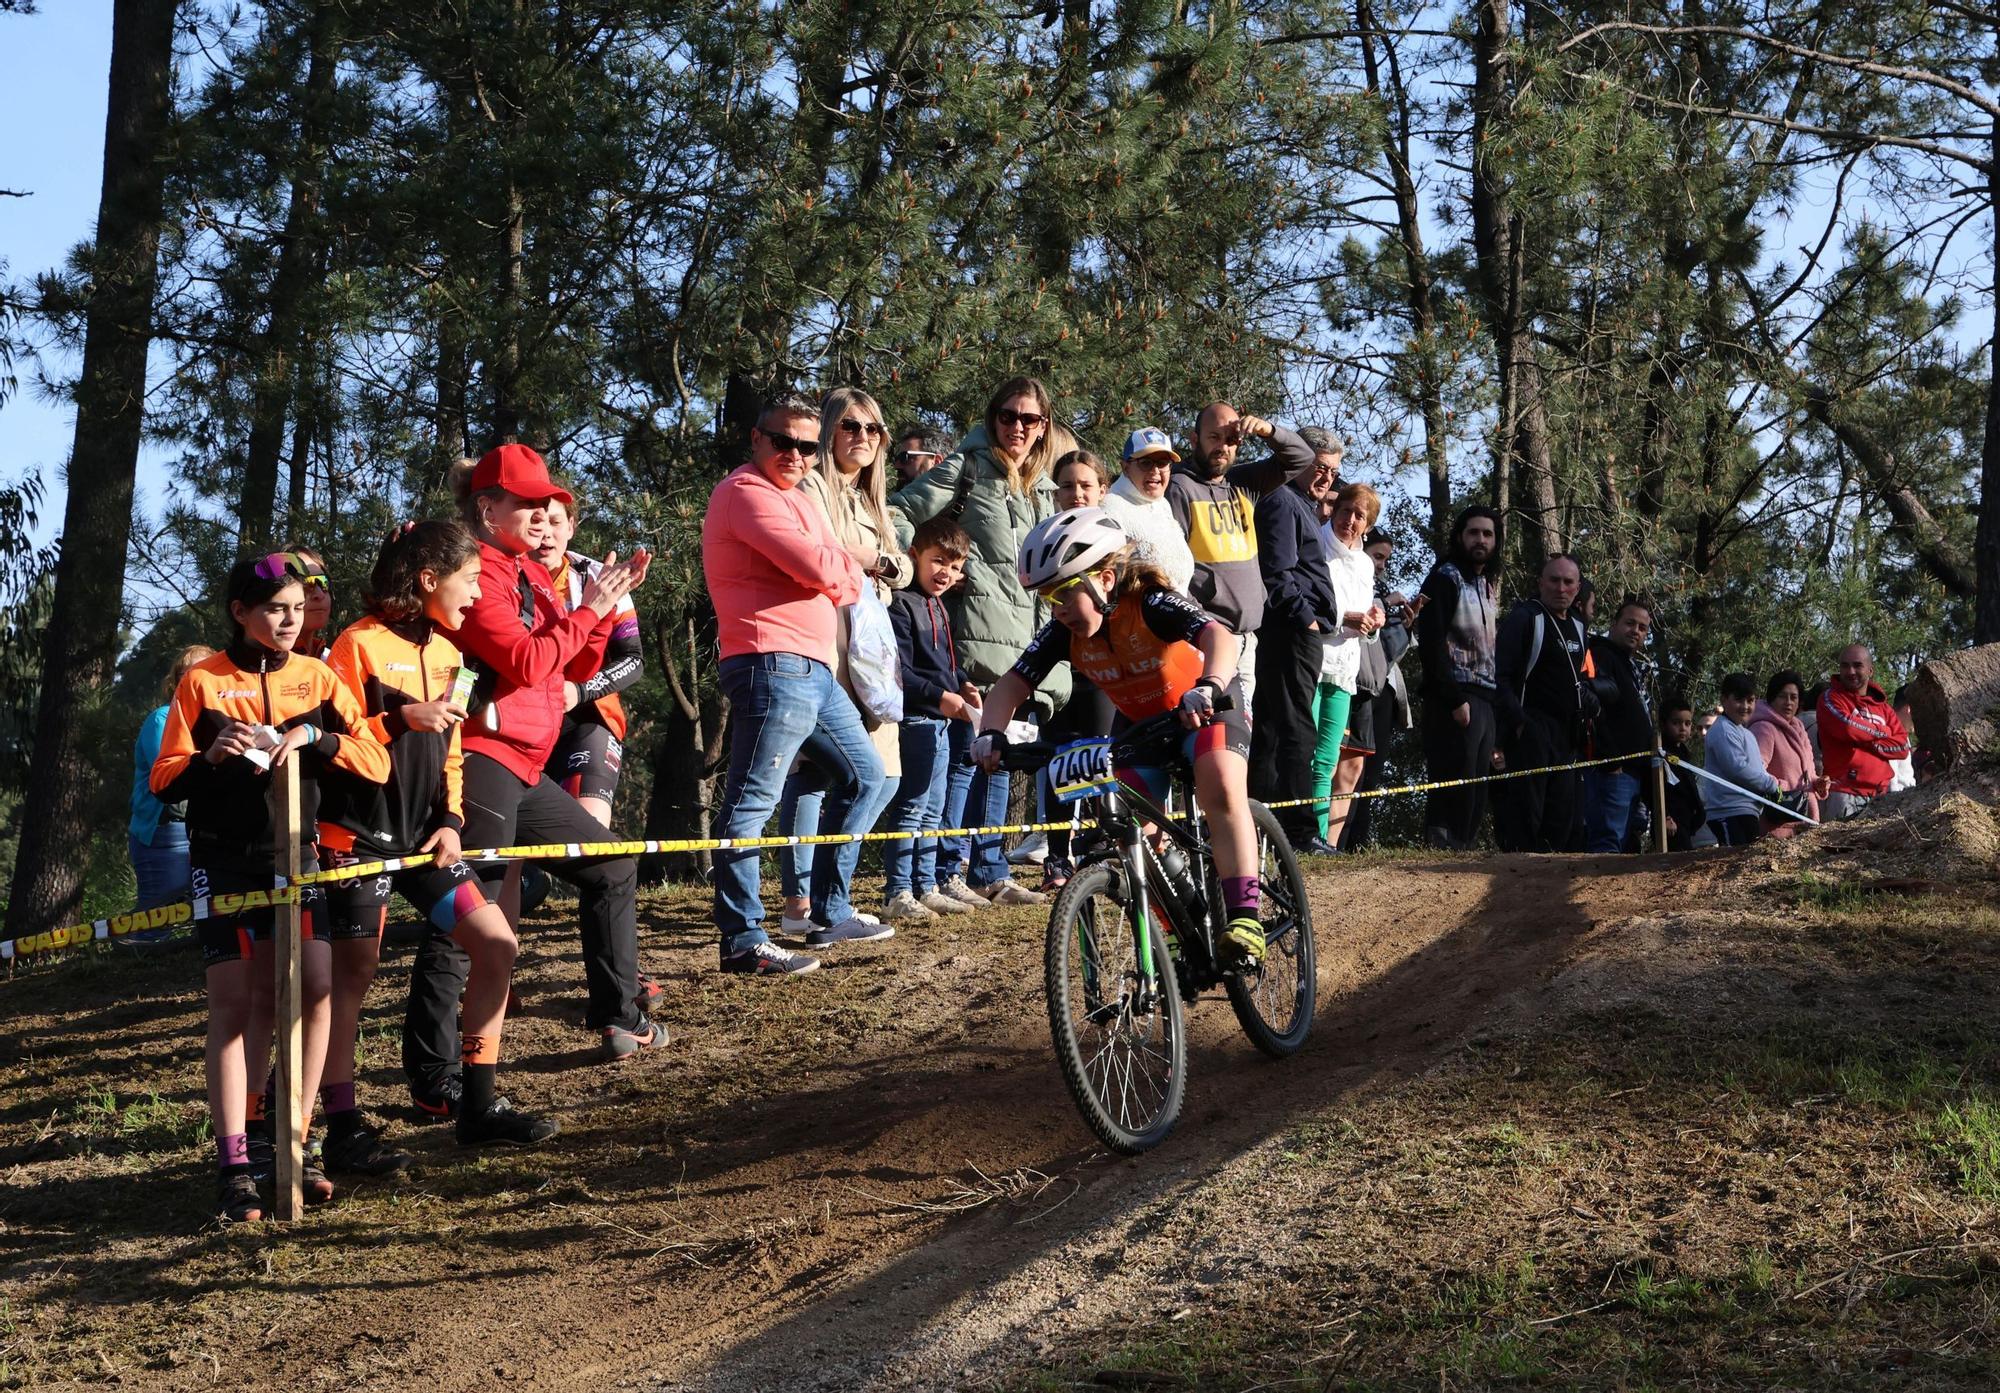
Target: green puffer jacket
point(992, 617)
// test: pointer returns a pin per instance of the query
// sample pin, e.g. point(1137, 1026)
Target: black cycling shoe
point(239, 1202)
point(358, 1150)
point(501, 1124)
point(262, 1152)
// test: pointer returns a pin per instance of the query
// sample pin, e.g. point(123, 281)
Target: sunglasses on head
point(789, 444)
point(279, 564)
point(1061, 591)
point(1008, 416)
point(874, 430)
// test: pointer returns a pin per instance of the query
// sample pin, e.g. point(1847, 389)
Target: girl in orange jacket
point(235, 717)
point(399, 664)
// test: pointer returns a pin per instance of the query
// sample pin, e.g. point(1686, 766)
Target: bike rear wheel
point(1274, 1000)
point(1121, 1039)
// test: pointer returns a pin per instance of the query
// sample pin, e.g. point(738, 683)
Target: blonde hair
point(458, 479)
point(185, 662)
point(1370, 501)
point(870, 482)
point(1133, 576)
point(1022, 478)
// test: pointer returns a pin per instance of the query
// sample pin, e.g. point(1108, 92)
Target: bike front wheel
point(1274, 1000)
point(1120, 1031)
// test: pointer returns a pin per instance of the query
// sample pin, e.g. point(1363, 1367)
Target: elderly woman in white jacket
point(1138, 499)
point(1336, 771)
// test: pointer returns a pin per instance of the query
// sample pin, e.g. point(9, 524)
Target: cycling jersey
point(1142, 656)
point(388, 667)
point(226, 804)
point(597, 701)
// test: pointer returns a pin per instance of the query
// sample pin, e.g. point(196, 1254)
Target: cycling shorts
point(587, 761)
point(240, 912)
point(1230, 730)
point(359, 908)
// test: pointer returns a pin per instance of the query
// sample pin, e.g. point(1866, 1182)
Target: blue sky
point(54, 74)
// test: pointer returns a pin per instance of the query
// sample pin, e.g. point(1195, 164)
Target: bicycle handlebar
point(1128, 747)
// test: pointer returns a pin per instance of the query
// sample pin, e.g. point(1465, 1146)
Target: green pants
point(1330, 717)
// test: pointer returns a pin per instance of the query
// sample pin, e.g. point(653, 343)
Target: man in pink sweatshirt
point(776, 575)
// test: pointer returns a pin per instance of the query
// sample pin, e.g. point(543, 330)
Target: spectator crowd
point(880, 623)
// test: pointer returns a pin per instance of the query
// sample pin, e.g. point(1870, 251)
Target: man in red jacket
point(1859, 733)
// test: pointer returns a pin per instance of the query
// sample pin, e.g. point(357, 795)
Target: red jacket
point(526, 647)
point(1858, 735)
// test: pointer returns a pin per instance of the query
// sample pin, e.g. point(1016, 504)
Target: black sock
point(480, 1081)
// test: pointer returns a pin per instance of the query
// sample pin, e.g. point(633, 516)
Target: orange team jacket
point(226, 806)
point(387, 667)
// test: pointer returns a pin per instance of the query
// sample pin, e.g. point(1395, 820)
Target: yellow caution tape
point(177, 916)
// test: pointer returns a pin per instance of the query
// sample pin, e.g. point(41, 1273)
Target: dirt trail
point(873, 1177)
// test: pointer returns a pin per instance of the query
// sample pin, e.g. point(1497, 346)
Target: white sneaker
point(1033, 850)
point(903, 905)
point(939, 903)
point(1012, 892)
point(956, 889)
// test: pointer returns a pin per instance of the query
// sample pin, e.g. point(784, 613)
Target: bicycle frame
point(1125, 811)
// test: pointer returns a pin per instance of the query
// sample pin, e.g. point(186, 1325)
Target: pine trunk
point(276, 358)
point(1986, 547)
point(81, 648)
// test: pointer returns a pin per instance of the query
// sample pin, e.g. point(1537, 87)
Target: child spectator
point(235, 717)
point(1733, 755)
point(935, 693)
point(1685, 810)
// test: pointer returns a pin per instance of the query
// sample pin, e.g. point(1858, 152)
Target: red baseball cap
point(520, 471)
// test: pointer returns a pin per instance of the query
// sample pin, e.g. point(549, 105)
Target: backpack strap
point(961, 493)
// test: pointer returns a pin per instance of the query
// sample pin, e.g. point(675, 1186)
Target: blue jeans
point(782, 706)
point(161, 868)
point(918, 806)
point(1608, 796)
point(822, 874)
point(972, 798)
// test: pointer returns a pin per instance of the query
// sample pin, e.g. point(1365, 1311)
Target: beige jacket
point(854, 526)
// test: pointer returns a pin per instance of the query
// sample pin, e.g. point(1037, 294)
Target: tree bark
point(276, 357)
point(81, 648)
point(1986, 544)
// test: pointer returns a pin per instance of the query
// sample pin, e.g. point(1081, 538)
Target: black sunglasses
point(874, 430)
point(788, 444)
point(1008, 416)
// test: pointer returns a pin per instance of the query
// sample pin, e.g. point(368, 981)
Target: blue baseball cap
point(1149, 440)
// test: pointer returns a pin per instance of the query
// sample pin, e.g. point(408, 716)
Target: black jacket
point(1625, 725)
point(1298, 588)
point(929, 657)
point(1684, 803)
point(1551, 684)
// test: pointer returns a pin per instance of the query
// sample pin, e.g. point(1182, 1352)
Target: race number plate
point(1080, 770)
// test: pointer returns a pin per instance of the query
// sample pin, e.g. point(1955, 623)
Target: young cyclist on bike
point(1119, 622)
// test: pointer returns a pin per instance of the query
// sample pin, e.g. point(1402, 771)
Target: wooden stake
point(287, 1107)
point(1659, 800)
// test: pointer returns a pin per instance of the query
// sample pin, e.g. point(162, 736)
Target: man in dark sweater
point(1217, 514)
point(1299, 613)
point(1540, 696)
point(1455, 640)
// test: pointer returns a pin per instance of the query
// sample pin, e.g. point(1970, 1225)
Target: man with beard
point(1218, 516)
point(1455, 640)
point(1543, 700)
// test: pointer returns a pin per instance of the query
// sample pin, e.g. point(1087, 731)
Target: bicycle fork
point(1135, 868)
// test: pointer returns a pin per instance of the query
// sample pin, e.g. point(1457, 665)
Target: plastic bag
point(872, 665)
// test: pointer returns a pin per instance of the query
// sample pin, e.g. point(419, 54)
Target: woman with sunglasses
point(1151, 650)
point(996, 486)
point(236, 716)
point(848, 485)
point(525, 644)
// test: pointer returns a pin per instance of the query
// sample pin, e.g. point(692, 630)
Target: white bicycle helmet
point(1071, 543)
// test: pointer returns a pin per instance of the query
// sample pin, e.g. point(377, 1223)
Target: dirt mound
point(868, 1178)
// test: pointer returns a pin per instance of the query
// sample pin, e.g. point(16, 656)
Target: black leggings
point(500, 810)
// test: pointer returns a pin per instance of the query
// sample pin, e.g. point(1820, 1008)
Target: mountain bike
point(1132, 939)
